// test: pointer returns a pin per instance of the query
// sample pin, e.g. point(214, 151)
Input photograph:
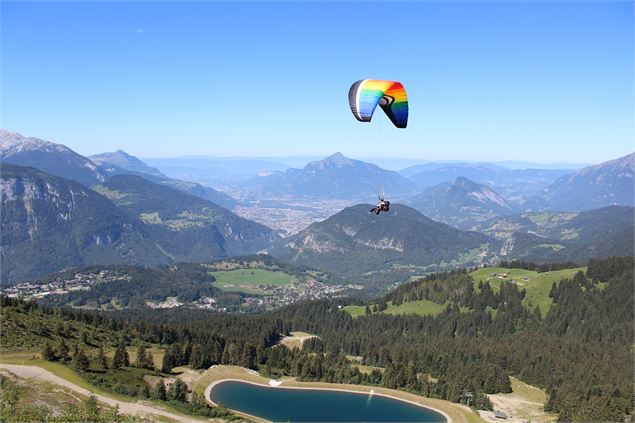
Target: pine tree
point(145, 391)
point(167, 363)
point(149, 363)
point(187, 351)
point(102, 360)
point(63, 350)
point(141, 357)
point(80, 360)
point(121, 358)
point(47, 353)
point(159, 391)
point(176, 354)
point(178, 391)
point(196, 357)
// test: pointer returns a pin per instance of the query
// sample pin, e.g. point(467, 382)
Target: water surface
point(281, 404)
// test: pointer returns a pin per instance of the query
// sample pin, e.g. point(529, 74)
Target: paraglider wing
point(365, 95)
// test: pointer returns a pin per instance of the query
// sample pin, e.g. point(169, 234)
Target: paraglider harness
point(382, 205)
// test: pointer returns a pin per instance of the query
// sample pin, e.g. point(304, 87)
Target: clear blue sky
point(502, 80)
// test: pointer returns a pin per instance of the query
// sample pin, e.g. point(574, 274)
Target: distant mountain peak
point(126, 161)
point(336, 176)
point(334, 160)
point(480, 193)
point(464, 182)
point(461, 203)
point(13, 142)
point(52, 158)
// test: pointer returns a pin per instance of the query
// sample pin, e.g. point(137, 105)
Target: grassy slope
point(37, 392)
point(25, 333)
point(241, 279)
point(537, 284)
point(420, 307)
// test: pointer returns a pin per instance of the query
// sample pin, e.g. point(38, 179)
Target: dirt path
point(124, 406)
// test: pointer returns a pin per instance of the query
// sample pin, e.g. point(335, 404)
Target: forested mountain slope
point(580, 351)
point(50, 223)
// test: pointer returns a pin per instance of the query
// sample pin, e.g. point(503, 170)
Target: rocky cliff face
point(50, 223)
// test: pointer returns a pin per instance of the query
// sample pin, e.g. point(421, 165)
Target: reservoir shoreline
point(364, 390)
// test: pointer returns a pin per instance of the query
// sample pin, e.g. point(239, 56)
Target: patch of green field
point(420, 307)
point(246, 280)
point(463, 259)
point(108, 193)
point(355, 311)
point(536, 284)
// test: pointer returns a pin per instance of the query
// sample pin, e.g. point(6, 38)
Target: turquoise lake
point(314, 405)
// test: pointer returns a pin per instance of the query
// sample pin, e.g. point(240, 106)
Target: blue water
point(313, 405)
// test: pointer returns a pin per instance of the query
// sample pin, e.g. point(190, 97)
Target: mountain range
point(466, 203)
point(114, 208)
point(59, 160)
point(50, 223)
point(56, 159)
point(604, 184)
point(120, 162)
point(335, 177)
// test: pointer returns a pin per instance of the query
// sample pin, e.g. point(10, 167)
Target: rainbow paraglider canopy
point(365, 95)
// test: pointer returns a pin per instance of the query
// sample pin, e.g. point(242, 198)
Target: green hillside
point(377, 250)
point(419, 307)
point(188, 228)
point(430, 296)
point(537, 285)
point(99, 355)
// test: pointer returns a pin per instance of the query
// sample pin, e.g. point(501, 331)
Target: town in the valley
point(258, 297)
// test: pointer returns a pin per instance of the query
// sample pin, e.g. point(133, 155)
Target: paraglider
point(363, 98)
point(365, 95)
point(382, 205)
